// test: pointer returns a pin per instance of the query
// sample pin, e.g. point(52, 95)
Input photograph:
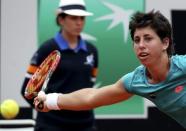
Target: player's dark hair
point(157, 22)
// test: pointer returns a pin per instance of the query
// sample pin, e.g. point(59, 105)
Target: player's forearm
point(78, 100)
point(90, 98)
point(86, 99)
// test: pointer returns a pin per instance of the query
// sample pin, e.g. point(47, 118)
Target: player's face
point(73, 25)
point(149, 48)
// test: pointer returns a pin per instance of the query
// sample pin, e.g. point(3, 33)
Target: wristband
point(51, 101)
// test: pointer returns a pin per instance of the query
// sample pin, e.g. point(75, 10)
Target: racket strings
point(35, 83)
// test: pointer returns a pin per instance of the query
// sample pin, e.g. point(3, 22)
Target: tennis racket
point(39, 80)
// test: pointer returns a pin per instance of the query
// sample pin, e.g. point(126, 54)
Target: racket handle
point(40, 106)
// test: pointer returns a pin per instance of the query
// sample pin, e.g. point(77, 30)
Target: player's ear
point(165, 43)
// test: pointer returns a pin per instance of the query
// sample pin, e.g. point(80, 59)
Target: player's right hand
point(41, 98)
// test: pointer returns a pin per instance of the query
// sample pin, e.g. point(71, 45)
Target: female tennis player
point(161, 77)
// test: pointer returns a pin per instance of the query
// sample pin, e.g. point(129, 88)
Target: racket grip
point(40, 106)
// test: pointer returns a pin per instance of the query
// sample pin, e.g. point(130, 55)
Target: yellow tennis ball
point(9, 109)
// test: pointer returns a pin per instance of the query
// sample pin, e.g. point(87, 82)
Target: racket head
point(36, 81)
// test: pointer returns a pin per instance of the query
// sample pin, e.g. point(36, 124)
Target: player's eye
point(147, 39)
point(136, 40)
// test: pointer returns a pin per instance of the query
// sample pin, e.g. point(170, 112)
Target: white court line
point(17, 122)
point(18, 129)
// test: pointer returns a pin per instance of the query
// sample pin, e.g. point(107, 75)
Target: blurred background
point(25, 24)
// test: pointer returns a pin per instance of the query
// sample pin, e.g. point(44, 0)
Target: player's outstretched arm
point(85, 99)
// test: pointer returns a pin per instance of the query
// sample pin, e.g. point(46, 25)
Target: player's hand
point(41, 98)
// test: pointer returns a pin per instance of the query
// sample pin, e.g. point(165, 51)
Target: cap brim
point(76, 12)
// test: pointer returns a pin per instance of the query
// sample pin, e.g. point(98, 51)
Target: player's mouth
point(143, 55)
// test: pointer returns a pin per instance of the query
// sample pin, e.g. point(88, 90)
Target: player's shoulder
point(138, 71)
point(135, 76)
point(178, 57)
point(179, 61)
